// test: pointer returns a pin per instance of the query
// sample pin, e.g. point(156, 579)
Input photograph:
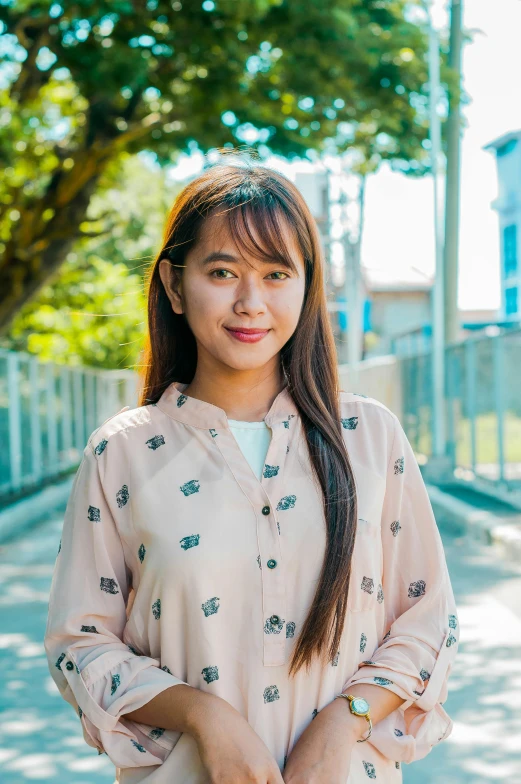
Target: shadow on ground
point(485, 684)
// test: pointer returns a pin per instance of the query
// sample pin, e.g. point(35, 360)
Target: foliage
point(103, 275)
point(92, 314)
point(90, 80)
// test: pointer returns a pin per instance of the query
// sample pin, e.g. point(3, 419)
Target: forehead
point(253, 240)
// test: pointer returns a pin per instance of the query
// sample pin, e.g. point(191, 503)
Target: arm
point(416, 653)
point(181, 709)
point(382, 701)
point(94, 670)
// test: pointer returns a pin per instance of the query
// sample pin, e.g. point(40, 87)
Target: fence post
point(131, 392)
point(78, 409)
point(15, 423)
point(66, 414)
point(450, 394)
point(470, 357)
point(52, 430)
point(90, 402)
point(36, 435)
point(497, 349)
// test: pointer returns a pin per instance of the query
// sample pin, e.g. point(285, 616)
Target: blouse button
point(265, 510)
point(275, 619)
point(70, 666)
point(272, 564)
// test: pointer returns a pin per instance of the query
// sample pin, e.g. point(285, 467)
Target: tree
point(93, 310)
point(90, 81)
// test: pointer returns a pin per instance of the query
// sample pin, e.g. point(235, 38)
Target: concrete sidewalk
point(20, 517)
point(498, 526)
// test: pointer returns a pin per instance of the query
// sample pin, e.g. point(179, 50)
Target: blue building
point(507, 150)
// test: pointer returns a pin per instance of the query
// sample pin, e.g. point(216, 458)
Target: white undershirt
point(254, 439)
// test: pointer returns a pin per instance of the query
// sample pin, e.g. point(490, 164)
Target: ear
point(171, 280)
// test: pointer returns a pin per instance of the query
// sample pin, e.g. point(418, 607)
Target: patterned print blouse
point(178, 565)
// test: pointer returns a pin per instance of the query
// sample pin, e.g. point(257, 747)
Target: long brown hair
point(250, 193)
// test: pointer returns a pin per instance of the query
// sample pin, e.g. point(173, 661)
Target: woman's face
point(220, 292)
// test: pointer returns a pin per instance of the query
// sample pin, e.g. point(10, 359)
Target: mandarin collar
point(198, 413)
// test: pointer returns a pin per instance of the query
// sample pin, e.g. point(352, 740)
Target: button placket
point(272, 480)
point(263, 496)
point(273, 591)
point(273, 581)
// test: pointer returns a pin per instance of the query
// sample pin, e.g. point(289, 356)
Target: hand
point(230, 750)
point(322, 754)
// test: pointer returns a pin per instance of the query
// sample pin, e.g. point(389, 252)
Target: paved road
point(485, 686)
point(40, 737)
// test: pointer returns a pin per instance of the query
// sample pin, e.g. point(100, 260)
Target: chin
point(250, 362)
point(246, 365)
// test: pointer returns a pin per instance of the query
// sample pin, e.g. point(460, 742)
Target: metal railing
point(47, 413)
point(483, 410)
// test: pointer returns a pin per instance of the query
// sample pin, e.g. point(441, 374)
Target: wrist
point(201, 712)
point(354, 726)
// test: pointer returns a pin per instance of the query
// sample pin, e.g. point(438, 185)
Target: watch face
point(359, 705)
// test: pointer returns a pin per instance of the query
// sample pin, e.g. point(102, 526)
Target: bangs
point(257, 227)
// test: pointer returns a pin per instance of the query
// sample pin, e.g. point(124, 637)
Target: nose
point(250, 299)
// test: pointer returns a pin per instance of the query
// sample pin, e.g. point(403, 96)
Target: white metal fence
point(483, 410)
point(47, 413)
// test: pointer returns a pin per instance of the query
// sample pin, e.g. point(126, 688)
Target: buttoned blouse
point(178, 565)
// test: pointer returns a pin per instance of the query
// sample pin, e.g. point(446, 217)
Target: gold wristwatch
point(359, 707)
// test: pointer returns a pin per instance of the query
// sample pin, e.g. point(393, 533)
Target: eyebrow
point(218, 255)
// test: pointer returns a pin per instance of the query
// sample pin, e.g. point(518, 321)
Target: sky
point(398, 228)
point(398, 233)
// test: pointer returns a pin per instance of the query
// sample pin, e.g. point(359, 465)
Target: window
point(511, 301)
point(510, 249)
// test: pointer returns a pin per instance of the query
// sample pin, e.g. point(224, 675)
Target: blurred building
point(399, 306)
point(507, 149)
point(471, 321)
point(400, 313)
point(313, 185)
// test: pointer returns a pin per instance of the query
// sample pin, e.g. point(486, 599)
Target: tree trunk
point(47, 229)
point(21, 279)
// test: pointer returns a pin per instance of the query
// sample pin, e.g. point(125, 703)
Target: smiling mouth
point(247, 330)
point(247, 335)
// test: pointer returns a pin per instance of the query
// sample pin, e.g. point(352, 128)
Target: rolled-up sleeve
point(94, 670)
point(421, 629)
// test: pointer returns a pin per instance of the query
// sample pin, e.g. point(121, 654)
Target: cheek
point(286, 306)
point(205, 303)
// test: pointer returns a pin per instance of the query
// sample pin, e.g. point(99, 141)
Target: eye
point(215, 273)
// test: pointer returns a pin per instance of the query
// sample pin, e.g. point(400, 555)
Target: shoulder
point(369, 407)
point(127, 424)
point(376, 429)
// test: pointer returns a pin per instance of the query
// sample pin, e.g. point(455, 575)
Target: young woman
point(250, 543)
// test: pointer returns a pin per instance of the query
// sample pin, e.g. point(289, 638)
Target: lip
point(247, 335)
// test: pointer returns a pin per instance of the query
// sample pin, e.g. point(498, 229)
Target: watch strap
point(350, 698)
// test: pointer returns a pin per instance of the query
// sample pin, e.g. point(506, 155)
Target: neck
point(245, 395)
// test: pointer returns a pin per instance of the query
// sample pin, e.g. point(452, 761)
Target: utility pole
point(353, 290)
point(352, 201)
point(445, 323)
point(437, 296)
point(452, 198)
